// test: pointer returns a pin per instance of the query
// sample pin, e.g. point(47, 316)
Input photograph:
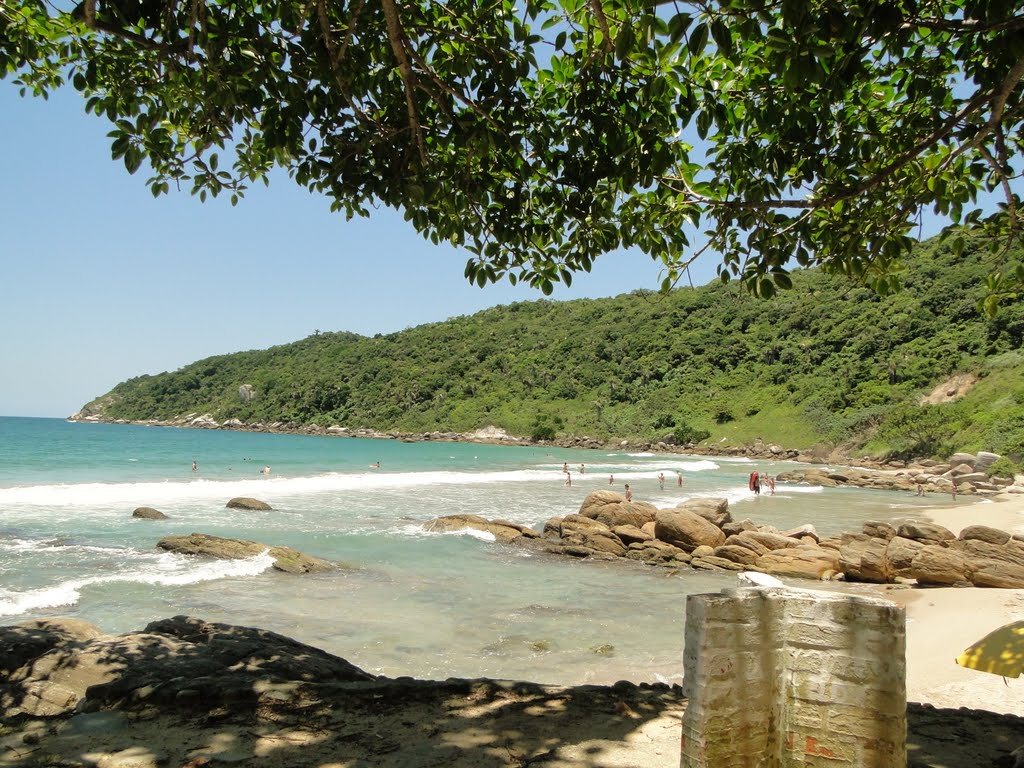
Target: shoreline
point(943, 621)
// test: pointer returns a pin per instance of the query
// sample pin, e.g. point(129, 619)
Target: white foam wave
point(92, 494)
point(168, 570)
point(418, 531)
point(781, 490)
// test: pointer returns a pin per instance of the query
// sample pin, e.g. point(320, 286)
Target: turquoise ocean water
point(412, 603)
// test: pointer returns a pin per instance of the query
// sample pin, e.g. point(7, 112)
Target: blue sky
point(102, 282)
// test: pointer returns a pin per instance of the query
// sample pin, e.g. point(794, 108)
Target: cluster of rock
point(966, 471)
point(932, 555)
point(239, 502)
point(701, 534)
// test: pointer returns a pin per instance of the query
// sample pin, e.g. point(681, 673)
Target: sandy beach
point(942, 622)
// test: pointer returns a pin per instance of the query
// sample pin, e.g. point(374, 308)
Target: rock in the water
point(502, 531)
point(612, 509)
point(715, 511)
point(285, 558)
point(244, 502)
point(148, 513)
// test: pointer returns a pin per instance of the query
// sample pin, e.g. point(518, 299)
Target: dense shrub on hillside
point(827, 362)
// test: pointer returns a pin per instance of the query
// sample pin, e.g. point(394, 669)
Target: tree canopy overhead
point(541, 134)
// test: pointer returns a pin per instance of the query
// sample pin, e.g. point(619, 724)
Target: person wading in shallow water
point(629, 493)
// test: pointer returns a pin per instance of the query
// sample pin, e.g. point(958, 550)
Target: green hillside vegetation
point(827, 363)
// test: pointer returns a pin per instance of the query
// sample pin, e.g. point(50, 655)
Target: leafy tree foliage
point(540, 134)
point(828, 363)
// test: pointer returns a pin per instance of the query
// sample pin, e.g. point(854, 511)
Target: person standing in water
point(679, 478)
point(661, 480)
point(195, 466)
point(629, 493)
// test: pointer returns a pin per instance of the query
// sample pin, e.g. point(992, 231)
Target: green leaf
point(698, 39)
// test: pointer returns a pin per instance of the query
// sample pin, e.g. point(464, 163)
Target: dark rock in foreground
point(285, 558)
point(54, 667)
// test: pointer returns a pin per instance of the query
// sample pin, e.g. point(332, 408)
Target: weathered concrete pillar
point(780, 677)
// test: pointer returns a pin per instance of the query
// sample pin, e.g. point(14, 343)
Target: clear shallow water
point(411, 603)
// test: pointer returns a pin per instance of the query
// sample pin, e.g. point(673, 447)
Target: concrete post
point(779, 678)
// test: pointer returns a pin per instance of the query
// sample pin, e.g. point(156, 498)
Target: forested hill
point(824, 363)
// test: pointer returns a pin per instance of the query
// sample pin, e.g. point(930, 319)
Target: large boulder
point(985, 533)
point(715, 511)
point(899, 556)
point(806, 562)
point(939, 565)
point(285, 558)
point(748, 542)
point(994, 573)
point(974, 549)
point(929, 533)
point(963, 458)
point(686, 530)
point(986, 459)
point(612, 509)
point(737, 553)
point(863, 558)
point(630, 534)
point(244, 502)
point(582, 537)
point(770, 540)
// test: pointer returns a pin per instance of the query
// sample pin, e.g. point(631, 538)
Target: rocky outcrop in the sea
point(285, 558)
point(701, 534)
point(50, 667)
point(244, 502)
point(148, 513)
point(501, 530)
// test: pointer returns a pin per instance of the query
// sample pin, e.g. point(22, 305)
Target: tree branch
point(398, 47)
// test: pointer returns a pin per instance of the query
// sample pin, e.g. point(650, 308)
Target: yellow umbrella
point(1000, 652)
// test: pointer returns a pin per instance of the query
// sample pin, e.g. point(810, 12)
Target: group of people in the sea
point(758, 480)
point(611, 479)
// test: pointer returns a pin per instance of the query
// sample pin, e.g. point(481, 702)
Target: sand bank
point(942, 622)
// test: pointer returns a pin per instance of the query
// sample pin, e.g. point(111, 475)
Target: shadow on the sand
point(189, 693)
point(961, 738)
